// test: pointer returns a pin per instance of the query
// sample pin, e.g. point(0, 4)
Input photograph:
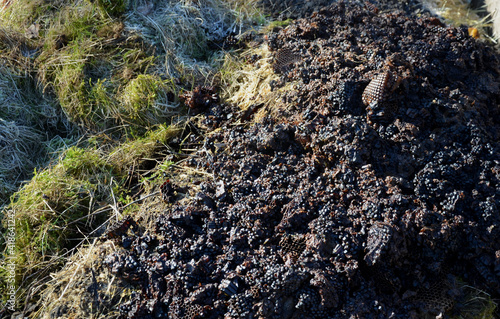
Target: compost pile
point(373, 194)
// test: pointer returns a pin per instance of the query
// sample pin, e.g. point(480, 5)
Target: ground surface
point(293, 9)
point(355, 202)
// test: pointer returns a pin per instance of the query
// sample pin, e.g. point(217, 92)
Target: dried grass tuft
point(83, 288)
point(247, 84)
point(473, 304)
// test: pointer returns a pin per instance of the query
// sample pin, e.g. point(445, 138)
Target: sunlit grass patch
point(90, 86)
point(52, 211)
point(148, 99)
point(83, 288)
point(69, 84)
point(71, 48)
point(19, 15)
point(248, 85)
point(102, 75)
point(135, 153)
point(245, 83)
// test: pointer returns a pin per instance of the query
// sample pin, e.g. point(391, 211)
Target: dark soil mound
point(378, 191)
point(293, 9)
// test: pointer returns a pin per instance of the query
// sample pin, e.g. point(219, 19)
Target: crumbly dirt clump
point(377, 188)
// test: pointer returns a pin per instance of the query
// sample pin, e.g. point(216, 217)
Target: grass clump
point(148, 99)
point(139, 154)
point(90, 62)
point(71, 51)
point(244, 84)
point(473, 304)
point(52, 212)
point(189, 32)
point(67, 293)
point(69, 86)
point(112, 7)
point(140, 94)
point(19, 15)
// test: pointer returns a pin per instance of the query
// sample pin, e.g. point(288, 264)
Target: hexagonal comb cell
point(293, 245)
point(379, 88)
point(284, 58)
point(436, 299)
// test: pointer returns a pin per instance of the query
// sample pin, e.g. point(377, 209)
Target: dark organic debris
point(340, 208)
point(168, 191)
point(200, 98)
point(120, 228)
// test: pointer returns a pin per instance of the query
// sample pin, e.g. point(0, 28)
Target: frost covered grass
point(31, 131)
